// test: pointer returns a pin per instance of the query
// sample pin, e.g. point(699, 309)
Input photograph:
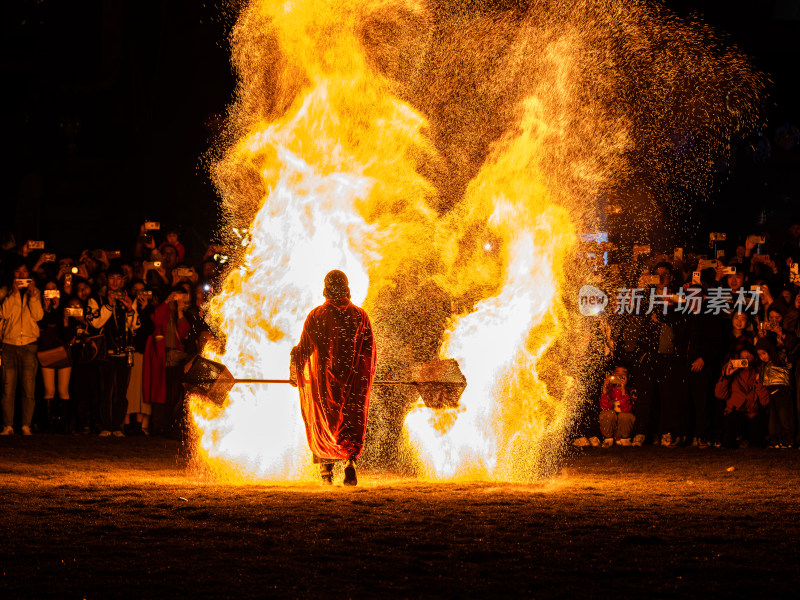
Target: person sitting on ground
point(616, 418)
point(746, 400)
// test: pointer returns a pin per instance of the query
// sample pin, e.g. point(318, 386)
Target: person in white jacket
point(19, 312)
point(117, 318)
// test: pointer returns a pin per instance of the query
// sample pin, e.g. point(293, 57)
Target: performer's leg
point(350, 473)
point(326, 472)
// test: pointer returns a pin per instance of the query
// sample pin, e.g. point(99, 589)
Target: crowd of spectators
point(97, 343)
point(694, 350)
point(699, 351)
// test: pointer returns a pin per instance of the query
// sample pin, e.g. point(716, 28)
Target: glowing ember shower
point(446, 159)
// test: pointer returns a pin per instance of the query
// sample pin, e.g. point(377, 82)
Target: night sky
point(111, 109)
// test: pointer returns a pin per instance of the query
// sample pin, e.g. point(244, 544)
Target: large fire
point(447, 161)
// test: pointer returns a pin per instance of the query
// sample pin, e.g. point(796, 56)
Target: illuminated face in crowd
point(169, 256)
point(621, 373)
point(51, 285)
point(115, 282)
point(736, 281)
point(136, 288)
point(774, 318)
point(83, 291)
point(74, 303)
point(739, 321)
point(21, 272)
point(763, 355)
point(664, 276)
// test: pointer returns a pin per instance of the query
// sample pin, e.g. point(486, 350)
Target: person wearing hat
point(334, 366)
point(116, 318)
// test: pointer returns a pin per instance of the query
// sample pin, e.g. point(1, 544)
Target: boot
point(350, 473)
point(326, 472)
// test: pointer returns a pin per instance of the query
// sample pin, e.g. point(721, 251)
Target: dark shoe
point(350, 474)
point(326, 472)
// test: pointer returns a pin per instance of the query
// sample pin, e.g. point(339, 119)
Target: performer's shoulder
point(361, 312)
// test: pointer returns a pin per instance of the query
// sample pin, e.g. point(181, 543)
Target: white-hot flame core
point(306, 227)
point(487, 344)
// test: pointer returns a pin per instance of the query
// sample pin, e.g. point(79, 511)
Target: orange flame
point(534, 116)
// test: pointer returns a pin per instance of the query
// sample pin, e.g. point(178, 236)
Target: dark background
point(110, 109)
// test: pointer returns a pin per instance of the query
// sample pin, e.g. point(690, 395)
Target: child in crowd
point(616, 418)
point(776, 377)
point(745, 419)
point(172, 240)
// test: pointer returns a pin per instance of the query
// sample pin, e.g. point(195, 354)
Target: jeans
point(19, 362)
point(612, 423)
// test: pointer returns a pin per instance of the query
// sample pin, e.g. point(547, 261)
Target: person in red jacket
point(616, 418)
point(334, 366)
point(164, 358)
point(746, 401)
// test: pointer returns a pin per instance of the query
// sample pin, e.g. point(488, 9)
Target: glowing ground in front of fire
point(91, 518)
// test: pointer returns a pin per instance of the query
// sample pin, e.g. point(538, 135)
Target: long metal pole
point(384, 382)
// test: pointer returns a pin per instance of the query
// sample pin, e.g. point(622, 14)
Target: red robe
point(155, 355)
point(335, 362)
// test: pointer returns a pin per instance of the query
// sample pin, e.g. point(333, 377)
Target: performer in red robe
point(334, 365)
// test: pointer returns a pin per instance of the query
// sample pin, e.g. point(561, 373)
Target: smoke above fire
point(447, 156)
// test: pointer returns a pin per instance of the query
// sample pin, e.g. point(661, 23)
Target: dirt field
point(108, 518)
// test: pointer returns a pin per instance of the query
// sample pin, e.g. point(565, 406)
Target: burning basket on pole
point(440, 383)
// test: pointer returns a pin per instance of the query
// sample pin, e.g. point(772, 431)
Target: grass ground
point(110, 518)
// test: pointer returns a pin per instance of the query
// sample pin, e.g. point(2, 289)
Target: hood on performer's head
point(336, 285)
